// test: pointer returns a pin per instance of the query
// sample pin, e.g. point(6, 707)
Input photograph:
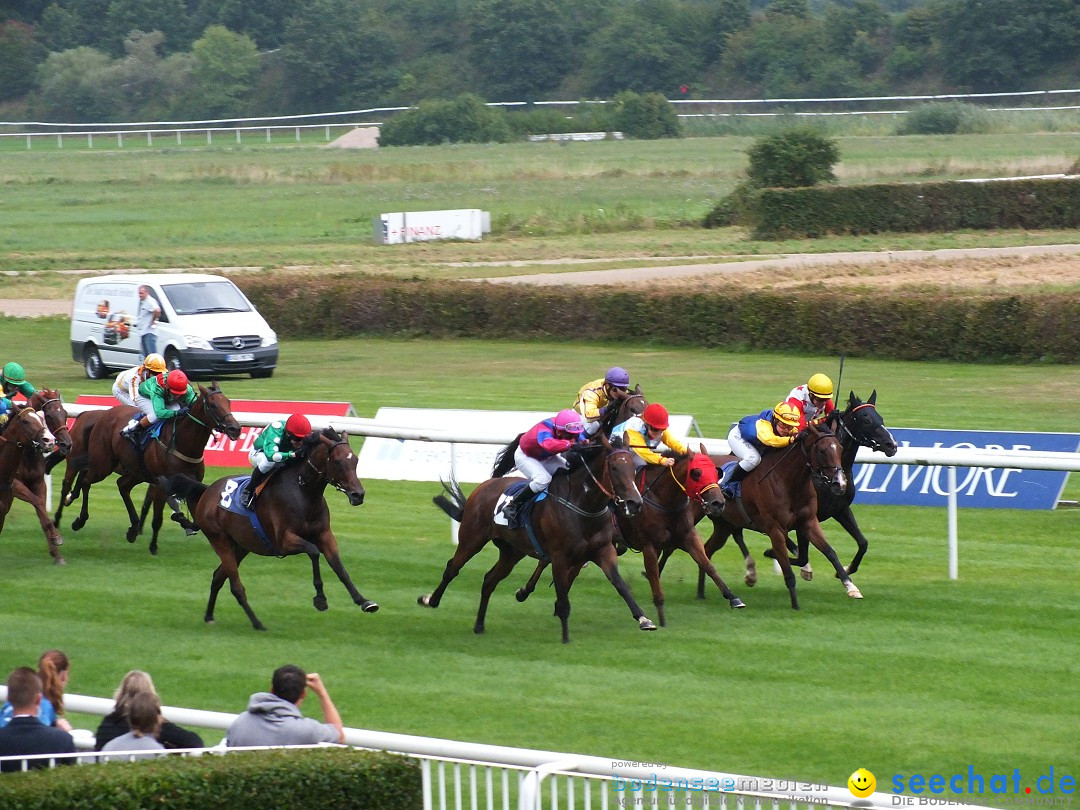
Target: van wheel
point(172, 359)
point(262, 373)
point(92, 364)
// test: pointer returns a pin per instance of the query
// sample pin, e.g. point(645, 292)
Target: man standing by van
point(148, 313)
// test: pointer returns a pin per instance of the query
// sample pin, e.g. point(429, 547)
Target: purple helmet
point(569, 421)
point(617, 376)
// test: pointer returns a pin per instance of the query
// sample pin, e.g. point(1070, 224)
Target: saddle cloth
point(230, 495)
point(508, 495)
point(732, 489)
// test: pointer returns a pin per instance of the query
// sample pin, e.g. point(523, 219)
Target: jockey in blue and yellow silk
point(776, 428)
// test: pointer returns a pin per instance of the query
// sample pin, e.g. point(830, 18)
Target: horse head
point(702, 483)
point(865, 425)
point(824, 457)
point(217, 411)
point(338, 464)
point(47, 401)
point(633, 404)
point(620, 475)
point(28, 428)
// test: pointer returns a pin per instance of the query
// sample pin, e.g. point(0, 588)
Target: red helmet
point(298, 425)
point(656, 416)
point(177, 382)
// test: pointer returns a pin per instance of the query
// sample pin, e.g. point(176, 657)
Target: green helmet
point(13, 373)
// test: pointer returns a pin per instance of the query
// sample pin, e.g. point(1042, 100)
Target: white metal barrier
point(457, 775)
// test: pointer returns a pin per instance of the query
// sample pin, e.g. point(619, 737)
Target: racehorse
point(571, 526)
point(98, 449)
point(29, 484)
point(25, 432)
point(858, 425)
point(675, 498)
point(780, 494)
point(292, 511)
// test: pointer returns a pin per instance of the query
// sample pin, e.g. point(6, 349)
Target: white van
point(207, 326)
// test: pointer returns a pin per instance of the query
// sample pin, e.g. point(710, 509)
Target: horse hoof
point(521, 594)
point(152, 549)
point(58, 560)
point(369, 607)
point(132, 535)
point(424, 601)
point(806, 573)
point(750, 581)
point(737, 603)
point(320, 603)
point(645, 623)
point(854, 592)
point(208, 619)
point(77, 524)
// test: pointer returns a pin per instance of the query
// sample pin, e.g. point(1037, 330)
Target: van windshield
point(198, 297)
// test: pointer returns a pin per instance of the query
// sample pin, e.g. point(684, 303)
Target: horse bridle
point(210, 408)
point(63, 423)
point(573, 507)
point(873, 444)
point(325, 475)
point(35, 442)
point(818, 473)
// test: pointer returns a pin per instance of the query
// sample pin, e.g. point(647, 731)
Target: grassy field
point(305, 205)
point(924, 675)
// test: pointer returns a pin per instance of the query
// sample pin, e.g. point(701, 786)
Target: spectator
point(53, 670)
point(144, 716)
point(274, 718)
point(116, 722)
point(25, 734)
point(146, 319)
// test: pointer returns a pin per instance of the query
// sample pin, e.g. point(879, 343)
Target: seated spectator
point(144, 716)
point(116, 723)
point(26, 734)
point(54, 668)
point(274, 718)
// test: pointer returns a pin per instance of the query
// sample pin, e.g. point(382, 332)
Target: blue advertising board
point(996, 488)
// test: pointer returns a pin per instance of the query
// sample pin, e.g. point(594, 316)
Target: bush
point(943, 118)
point(645, 117)
point(734, 209)
point(800, 156)
point(321, 777)
point(466, 119)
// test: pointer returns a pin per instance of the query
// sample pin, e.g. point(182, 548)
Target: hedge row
point(915, 207)
point(310, 778)
point(909, 326)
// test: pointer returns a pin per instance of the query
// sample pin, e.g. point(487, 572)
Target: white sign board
point(423, 226)
point(398, 460)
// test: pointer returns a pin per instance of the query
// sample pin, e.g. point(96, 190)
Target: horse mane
point(504, 462)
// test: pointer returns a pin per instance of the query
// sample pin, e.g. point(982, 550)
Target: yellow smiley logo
point(862, 783)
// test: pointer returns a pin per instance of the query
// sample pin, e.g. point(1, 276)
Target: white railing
point(457, 775)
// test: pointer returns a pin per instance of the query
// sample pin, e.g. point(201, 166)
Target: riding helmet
point(656, 416)
point(569, 421)
point(298, 425)
point(820, 386)
point(13, 373)
point(786, 413)
point(618, 377)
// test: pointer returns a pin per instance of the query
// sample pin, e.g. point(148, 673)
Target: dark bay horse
point(24, 432)
point(572, 526)
point(29, 484)
point(292, 511)
point(98, 450)
point(858, 425)
point(780, 494)
point(675, 498)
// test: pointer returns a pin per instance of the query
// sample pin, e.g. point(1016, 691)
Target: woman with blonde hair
point(117, 722)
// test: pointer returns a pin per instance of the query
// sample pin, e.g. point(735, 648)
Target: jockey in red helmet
point(277, 443)
point(161, 396)
point(648, 436)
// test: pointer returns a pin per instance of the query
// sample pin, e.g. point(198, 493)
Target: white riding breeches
point(148, 408)
point(538, 470)
point(749, 456)
point(258, 459)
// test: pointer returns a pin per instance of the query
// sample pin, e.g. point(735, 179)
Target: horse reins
point(307, 460)
point(573, 507)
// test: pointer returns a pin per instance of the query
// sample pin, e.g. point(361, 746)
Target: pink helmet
point(569, 421)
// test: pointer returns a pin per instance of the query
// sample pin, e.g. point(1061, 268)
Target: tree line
point(117, 60)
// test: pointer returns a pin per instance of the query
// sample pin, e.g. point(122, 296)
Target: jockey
point(648, 436)
point(126, 387)
point(275, 445)
point(12, 382)
point(539, 454)
point(161, 397)
point(752, 434)
point(813, 400)
point(594, 398)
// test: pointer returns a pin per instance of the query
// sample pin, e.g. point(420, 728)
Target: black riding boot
point(512, 509)
point(248, 497)
point(737, 474)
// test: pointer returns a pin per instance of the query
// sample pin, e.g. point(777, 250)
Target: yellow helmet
point(820, 386)
point(155, 363)
point(788, 414)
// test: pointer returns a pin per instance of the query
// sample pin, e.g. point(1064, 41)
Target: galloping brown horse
point(571, 526)
point(675, 498)
point(25, 432)
point(29, 484)
point(98, 449)
point(292, 511)
point(780, 495)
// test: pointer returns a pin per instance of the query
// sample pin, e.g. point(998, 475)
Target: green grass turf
point(924, 675)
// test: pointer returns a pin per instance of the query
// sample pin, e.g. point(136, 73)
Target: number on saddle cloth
point(526, 510)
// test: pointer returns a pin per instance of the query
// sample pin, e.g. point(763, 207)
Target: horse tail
point(504, 462)
point(454, 505)
point(183, 486)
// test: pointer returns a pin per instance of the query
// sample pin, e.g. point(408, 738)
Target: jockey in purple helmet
point(539, 455)
point(594, 398)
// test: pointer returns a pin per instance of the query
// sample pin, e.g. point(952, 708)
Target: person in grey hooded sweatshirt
point(274, 718)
